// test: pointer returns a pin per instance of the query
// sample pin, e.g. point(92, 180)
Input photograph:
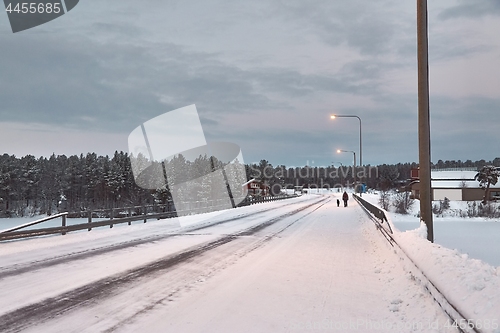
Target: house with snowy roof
point(255, 187)
point(456, 185)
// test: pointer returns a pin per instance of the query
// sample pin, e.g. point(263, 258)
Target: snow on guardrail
point(471, 285)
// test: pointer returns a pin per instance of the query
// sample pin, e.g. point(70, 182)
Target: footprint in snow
point(394, 307)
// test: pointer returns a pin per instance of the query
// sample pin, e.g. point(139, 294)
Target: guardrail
point(63, 229)
point(116, 216)
point(255, 200)
point(455, 315)
point(118, 212)
point(374, 210)
point(29, 224)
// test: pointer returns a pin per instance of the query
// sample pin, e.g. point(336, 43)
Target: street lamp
point(341, 165)
point(354, 168)
point(360, 141)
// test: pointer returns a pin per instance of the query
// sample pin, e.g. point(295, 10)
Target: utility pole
point(424, 133)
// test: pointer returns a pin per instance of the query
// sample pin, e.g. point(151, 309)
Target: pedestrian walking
point(345, 197)
point(338, 203)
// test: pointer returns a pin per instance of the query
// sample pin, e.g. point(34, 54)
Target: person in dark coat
point(345, 197)
point(338, 203)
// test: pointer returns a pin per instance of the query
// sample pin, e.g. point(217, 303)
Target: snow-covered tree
point(487, 176)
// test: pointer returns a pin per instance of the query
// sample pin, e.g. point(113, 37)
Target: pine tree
point(487, 176)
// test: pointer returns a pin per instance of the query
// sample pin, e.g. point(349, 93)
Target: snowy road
point(288, 266)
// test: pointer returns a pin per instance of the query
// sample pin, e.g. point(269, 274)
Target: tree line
point(31, 186)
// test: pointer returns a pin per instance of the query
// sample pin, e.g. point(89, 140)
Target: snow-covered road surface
point(303, 265)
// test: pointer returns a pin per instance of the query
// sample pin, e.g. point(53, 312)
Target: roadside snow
point(472, 285)
point(477, 237)
point(332, 272)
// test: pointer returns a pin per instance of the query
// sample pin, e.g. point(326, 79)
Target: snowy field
point(295, 265)
point(476, 237)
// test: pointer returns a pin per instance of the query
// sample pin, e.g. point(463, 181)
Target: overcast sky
point(265, 75)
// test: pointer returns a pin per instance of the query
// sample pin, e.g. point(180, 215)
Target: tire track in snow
point(49, 308)
point(251, 247)
point(36, 265)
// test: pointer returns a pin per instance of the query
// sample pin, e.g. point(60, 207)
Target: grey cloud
point(293, 83)
point(118, 77)
point(445, 47)
point(364, 26)
point(362, 70)
point(114, 70)
point(471, 9)
point(463, 128)
point(389, 132)
point(475, 112)
point(119, 85)
point(52, 80)
point(308, 146)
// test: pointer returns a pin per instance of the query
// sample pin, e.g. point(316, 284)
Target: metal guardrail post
point(89, 219)
point(63, 223)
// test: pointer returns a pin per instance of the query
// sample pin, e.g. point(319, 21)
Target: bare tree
point(384, 199)
point(403, 202)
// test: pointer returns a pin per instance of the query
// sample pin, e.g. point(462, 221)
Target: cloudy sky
point(263, 74)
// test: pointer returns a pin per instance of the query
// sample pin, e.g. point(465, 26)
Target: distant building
point(298, 189)
point(256, 187)
point(456, 185)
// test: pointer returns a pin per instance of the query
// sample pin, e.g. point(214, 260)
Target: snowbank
point(471, 285)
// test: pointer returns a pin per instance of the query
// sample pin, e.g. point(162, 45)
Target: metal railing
point(374, 210)
point(417, 273)
point(121, 215)
point(29, 224)
point(63, 229)
point(255, 200)
point(435, 168)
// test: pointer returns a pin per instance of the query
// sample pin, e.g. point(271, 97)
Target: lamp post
point(424, 134)
point(354, 168)
point(341, 165)
point(360, 139)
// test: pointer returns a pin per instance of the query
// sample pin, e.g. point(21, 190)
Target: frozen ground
point(296, 265)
